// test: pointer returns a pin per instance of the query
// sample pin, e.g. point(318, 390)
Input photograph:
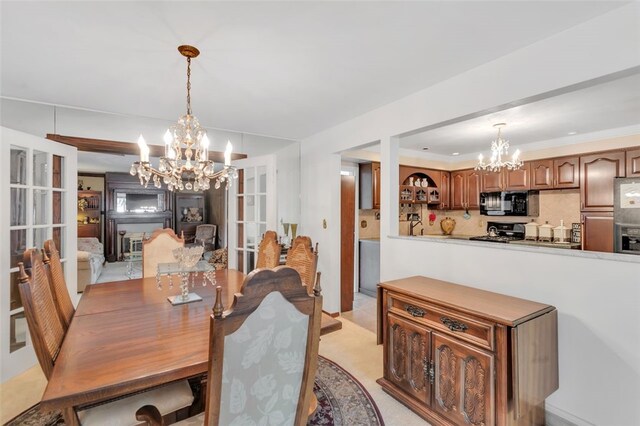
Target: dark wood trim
point(105, 146)
point(89, 174)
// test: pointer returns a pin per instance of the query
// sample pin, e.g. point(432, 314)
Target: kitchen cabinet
point(555, 173)
point(633, 162)
point(597, 172)
point(507, 180)
point(445, 178)
point(89, 212)
point(411, 193)
point(597, 231)
point(566, 172)
point(542, 174)
point(370, 186)
point(457, 355)
point(465, 189)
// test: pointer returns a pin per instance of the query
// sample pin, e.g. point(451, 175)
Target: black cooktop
point(497, 238)
point(503, 232)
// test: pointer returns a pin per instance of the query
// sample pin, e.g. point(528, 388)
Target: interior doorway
point(347, 240)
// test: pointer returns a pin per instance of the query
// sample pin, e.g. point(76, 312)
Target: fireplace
point(133, 208)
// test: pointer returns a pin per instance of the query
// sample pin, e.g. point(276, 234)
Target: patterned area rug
point(342, 401)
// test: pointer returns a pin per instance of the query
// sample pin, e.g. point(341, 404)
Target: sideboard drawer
point(462, 326)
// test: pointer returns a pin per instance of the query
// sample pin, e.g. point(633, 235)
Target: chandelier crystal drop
point(185, 164)
point(500, 148)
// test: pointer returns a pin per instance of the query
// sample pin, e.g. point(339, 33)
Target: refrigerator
point(626, 215)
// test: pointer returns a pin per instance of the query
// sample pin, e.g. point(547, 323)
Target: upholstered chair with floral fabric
point(263, 354)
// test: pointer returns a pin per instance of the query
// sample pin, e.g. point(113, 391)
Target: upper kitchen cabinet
point(465, 189)
point(445, 179)
point(597, 172)
point(542, 173)
point(507, 180)
point(419, 186)
point(633, 162)
point(370, 185)
point(555, 173)
point(566, 172)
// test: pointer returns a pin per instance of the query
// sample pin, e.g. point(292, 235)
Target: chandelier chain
point(188, 86)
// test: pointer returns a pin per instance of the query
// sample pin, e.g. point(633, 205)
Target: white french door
point(38, 194)
point(252, 209)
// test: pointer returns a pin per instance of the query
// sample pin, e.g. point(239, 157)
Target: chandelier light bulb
point(227, 153)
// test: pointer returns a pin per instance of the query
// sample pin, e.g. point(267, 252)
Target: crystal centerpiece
point(188, 266)
point(188, 256)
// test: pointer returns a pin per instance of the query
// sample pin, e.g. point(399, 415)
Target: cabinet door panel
point(376, 185)
point(408, 352)
point(457, 190)
point(444, 190)
point(598, 231)
point(567, 172)
point(633, 163)
point(473, 189)
point(464, 385)
point(517, 180)
point(542, 174)
point(597, 172)
point(492, 181)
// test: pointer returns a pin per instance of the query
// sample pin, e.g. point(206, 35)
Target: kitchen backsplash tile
point(372, 220)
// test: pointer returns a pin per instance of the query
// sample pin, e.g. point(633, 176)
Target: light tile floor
point(364, 312)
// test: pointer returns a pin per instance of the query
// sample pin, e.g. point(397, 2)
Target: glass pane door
point(252, 210)
point(38, 187)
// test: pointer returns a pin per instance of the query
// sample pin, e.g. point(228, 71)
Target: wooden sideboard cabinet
point(458, 355)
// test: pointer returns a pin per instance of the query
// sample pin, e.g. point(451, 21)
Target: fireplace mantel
point(125, 183)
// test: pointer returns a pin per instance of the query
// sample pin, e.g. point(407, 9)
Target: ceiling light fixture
point(185, 164)
point(499, 148)
point(455, 153)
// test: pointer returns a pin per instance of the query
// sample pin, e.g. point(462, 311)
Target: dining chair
point(268, 251)
point(219, 258)
point(303, 259)
point(158, 248)
point(263, 354)
point(47, 334)
point(58, 285)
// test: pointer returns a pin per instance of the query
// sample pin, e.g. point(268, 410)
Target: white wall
point(597, 299)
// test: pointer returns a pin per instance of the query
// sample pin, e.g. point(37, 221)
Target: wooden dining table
point(125, 337)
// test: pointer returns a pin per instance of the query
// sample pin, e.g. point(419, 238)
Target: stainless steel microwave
point(509, 203)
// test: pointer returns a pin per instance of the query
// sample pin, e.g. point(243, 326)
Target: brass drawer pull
point(453, 324)
point(415, 311)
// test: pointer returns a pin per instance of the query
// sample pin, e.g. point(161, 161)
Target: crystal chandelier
point(499, 148)
point(185, 164)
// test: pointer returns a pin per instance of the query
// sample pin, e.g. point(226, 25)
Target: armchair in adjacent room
point(90, 261)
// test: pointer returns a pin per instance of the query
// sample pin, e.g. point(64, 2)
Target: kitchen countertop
point(373, 240)
point(531, 247)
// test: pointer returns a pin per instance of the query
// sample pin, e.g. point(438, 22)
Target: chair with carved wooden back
point(159, 249)
point(303, 259)
point(263, 353)
point(268, 251)
point(61, 297)
point(47, 335)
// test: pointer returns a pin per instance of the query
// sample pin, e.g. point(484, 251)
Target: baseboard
point(558, 417)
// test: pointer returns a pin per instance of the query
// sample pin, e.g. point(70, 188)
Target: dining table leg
point(70, 417)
